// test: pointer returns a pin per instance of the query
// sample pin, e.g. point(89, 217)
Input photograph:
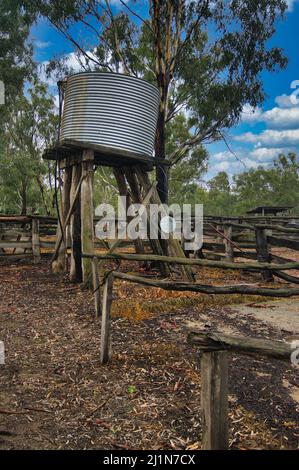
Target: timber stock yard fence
point(224, 240)
point(213, 346)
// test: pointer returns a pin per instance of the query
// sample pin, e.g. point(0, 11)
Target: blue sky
point(263, 133)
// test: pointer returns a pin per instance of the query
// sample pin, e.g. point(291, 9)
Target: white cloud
point(221, 156)
point(284, 101)
point(271, 138)
point(72, 62)
point(251, 114)
point(42, 44)
point(267, 154)
point(222, 166)
point(277, 118)
point(286, 116)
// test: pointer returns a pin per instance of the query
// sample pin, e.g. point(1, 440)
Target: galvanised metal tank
point(113, 110)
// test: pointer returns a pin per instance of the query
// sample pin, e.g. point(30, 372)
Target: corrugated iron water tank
point(113, 110)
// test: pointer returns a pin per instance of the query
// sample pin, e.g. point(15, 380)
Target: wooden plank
point(208, 289)
point(215, 341)
point(15, 244)
point(103, 154)
point(214, 400)
point(138, 198)
point(96, 287)
point(59, 238)
point(59, 258)
point(75, 226)
point(284, 243)
point(87, 228)
point(192, 261)
point(286, 277)
point(105, 353)
point(35, 241)
point(47, 244)
point(174, 245)
point(123, 191)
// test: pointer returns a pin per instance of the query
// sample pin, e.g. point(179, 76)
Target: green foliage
point(30, 126)
point(204, 56)
point(15, 52)
point(186, 174)
point(276, 185)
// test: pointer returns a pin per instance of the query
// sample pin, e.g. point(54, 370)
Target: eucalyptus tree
point(31, 125)
point(206, 57)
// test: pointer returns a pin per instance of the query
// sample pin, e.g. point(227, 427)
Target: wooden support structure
point(35, 241)
point(105, 352)
point(214, 348)
point(175, 247)
point(138, 198)
point(75, 225)
point(263, 255)
point(229, 249)
point(123, 191)
point(77, 205)
point(209, 341)
point(214, 400)
point(87, 229)
point(208, 289)
point(193, 262)
point(59, 260)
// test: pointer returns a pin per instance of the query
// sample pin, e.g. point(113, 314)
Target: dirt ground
point(54, 394)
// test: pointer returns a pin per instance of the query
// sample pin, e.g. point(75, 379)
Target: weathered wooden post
point(87, 230)
point(229, 249)
point(263, 255)
point(214, 400)
point(59, 263)
point(76, 248)
point(96, 287)
point(35, 240)
point(105, 353)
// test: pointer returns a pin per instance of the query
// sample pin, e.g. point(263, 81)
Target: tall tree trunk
point(161, 170)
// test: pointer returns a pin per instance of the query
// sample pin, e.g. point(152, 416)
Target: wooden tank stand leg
point(174, 245)
point(87, 229)
point(123, 191)
point(59, 263)
point(75, 226)
point(138, 198)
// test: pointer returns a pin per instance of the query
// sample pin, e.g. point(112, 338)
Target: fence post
point(229, 249)
point(106, 323)
point(214, 400)
point(263, 255)
point(35, 240)
point(96, 287)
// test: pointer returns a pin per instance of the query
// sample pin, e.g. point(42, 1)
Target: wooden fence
point(214, 349)
point(213, 346)
point(224, 239)
point(26, 236)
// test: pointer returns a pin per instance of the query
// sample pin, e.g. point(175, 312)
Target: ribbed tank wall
point(113, 110)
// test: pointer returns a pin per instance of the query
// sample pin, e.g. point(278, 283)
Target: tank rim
point(98, 72)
